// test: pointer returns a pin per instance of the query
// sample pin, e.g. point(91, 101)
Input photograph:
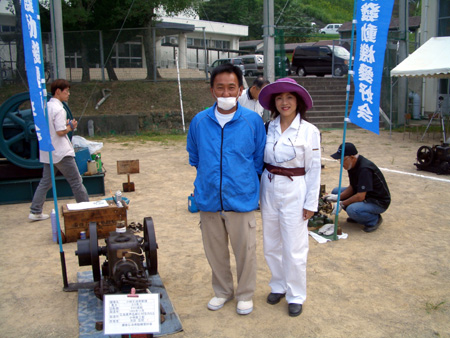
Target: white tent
point(432, 59)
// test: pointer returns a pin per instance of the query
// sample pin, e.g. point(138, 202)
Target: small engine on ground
point(130, 259)
point(435, 159)
point(320, 217)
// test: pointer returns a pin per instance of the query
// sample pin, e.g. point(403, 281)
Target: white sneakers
point(37, 217)
point(243, 307)
point(217, 303)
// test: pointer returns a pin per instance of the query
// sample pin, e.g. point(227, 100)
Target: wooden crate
point(106, 218)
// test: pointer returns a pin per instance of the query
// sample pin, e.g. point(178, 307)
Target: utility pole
point(269, 41)
point(403, 23)
point(59, 62)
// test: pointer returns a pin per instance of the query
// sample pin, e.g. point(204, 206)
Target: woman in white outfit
point(290, 187)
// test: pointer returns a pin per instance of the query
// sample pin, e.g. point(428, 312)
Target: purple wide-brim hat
point(284, 85)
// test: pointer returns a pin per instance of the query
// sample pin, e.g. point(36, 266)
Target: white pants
point(285, 234)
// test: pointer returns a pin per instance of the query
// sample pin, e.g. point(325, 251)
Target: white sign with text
point(137, 313)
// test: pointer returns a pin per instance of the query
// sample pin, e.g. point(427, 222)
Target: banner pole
point(346, 119)
point(32, 42)
point(372, 21)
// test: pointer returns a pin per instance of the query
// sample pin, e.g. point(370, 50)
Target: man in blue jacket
point(226, 145)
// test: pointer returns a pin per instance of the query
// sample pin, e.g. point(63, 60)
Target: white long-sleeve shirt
point(57, 121)
point(297, 147)
point(250, 103)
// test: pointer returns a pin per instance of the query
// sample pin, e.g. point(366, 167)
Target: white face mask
point(226, 103)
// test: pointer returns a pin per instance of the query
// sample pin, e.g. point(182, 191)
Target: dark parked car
point(320, 60)
point(234, 61)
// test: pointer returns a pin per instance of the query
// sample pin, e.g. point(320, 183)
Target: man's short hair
point(260, 82)
point(227, 68)
point(59, 84)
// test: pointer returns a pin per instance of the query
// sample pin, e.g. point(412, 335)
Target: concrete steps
point(328, 94)
point(329, 97)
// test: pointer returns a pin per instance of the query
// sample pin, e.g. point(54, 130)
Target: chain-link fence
point(8, 61)
point(332, 58)
point(134, 54)
point(139, 54)
point(128, 54)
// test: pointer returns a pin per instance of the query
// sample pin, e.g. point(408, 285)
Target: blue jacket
point(228, 160)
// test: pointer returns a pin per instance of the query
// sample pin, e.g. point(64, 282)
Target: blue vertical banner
point(31, 30)
point(373, 18)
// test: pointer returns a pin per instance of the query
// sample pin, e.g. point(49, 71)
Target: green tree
point(291, 18)
point(141, 14)
point(240, 12)
point(294, 15)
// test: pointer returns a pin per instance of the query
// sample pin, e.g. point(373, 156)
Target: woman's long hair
point(301, 106)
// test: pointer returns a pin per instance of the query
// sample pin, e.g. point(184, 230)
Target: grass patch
point(130, 97)
point(163, 137)
point(433, 306)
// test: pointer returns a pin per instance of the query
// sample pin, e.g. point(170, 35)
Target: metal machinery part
point(425, 156)
point(18, 140)
point(130, 259)
point(88, 252)
point(435, 159)
point(320, 218)
point(150, 246)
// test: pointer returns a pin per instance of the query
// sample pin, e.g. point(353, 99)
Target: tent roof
point(430, 60)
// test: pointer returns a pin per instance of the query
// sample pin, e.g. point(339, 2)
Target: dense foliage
point(294, 15)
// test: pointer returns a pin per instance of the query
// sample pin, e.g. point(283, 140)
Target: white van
point(253, 64)
point(331, 28)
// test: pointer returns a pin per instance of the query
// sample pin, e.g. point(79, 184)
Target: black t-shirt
point(366, 177)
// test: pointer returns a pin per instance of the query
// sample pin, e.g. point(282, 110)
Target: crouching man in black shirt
point(367, 196)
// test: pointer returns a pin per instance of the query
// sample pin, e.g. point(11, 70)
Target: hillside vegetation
point(132, 97)
point(328, 11)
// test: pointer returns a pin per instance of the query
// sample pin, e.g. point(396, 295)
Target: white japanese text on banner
point(31, 28)
point(373, 18)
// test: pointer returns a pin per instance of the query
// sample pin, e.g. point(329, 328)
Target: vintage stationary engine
point(435, 159)
point(320, 217)
point(130, 259)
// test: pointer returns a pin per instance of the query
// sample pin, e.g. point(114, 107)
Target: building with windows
point(7, 19)
point(207, 42)
point(194, 43)
point(7, 43)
